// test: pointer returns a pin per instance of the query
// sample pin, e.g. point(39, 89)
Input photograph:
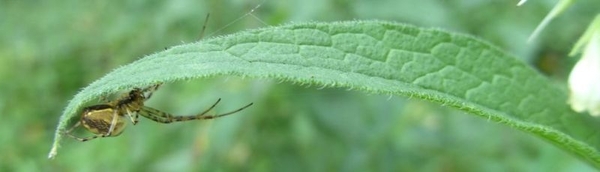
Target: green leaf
point(453, 70)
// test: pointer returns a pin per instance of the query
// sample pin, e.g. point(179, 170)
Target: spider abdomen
point(98, 119)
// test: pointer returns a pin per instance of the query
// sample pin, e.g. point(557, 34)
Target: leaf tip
point(53, 151)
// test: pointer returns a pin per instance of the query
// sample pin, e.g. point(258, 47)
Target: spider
point(108, 119)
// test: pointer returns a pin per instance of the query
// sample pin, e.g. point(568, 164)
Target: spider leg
point(73, 127)
point(151, 90)
point(69, 133)
point(223, 114)
point(112, 124)
point(210, 108)
point(163, 117)
point(204, 26)
point(86, 138)
point(133, 116)
point(156, 115)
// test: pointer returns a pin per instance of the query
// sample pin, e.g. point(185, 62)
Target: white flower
point(584, 80)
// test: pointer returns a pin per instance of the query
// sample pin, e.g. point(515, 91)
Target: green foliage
point(49, 51)
point(375, 57)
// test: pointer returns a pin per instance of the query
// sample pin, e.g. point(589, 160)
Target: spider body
point(109, 119)
point(99, 118)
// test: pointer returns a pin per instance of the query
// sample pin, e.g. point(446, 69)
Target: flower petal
point(584, 80)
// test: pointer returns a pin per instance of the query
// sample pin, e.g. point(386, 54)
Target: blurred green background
point(50, 50)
